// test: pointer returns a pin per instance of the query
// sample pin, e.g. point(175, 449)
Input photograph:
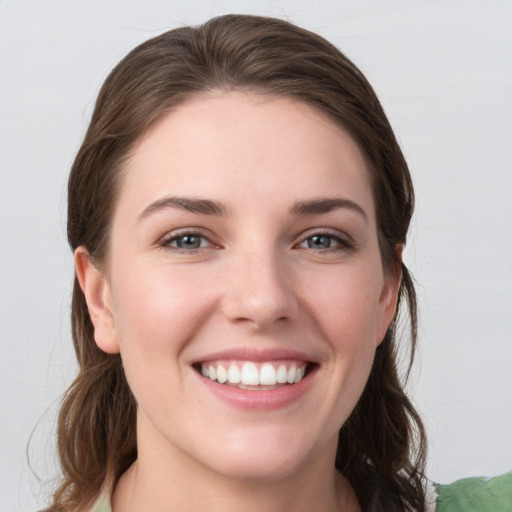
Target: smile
point(255, 375)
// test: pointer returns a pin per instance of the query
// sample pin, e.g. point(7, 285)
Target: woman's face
point(244, 287)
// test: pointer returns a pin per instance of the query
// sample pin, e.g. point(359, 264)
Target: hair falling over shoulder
point(384, 440)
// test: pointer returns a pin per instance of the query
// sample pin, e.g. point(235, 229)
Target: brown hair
point(383, 441)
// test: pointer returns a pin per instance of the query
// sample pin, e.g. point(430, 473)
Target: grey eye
point(188, 242)
point(319, 242)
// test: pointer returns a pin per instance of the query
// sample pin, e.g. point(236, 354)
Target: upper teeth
point(251, 374)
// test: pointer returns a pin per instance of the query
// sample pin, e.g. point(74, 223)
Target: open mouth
point(250, 375)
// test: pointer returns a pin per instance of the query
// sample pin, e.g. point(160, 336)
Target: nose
point(259, 291)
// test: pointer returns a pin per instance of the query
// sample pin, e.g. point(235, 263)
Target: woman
point(238, 211)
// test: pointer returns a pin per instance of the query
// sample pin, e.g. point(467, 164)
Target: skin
point(257, 281)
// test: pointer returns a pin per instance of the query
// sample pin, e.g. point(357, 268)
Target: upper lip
point(256, 355)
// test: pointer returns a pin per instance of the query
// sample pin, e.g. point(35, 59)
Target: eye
point(186, 241)
point(324, 241)
point(318, 242)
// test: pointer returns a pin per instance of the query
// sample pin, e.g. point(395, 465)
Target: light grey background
point(443, 72)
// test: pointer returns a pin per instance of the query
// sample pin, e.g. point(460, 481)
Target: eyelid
point(169, 237)
point(346, 241)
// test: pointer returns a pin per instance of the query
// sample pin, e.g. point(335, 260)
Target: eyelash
point(341, 244)
point(167, 240)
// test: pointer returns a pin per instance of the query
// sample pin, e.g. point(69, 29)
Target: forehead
point(238, 146)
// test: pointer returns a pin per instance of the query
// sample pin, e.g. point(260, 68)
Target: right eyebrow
point(194, 205)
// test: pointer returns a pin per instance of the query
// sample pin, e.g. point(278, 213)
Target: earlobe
point(389, 296)
point(97, 294)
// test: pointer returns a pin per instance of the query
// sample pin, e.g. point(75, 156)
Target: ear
point(98, 296)
point(389, 295)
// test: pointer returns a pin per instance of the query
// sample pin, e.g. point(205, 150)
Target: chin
point(260, 469)
point(265, 458)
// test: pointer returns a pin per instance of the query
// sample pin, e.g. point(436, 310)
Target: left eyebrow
point(325, 205)
point(191, 204)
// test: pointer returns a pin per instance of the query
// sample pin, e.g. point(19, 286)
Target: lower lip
point(254, 400)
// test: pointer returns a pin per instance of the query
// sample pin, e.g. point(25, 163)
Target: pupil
point(320, 242)
point(188, 242)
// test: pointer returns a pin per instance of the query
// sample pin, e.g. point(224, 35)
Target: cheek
point(157, 311)
point(345, 304)
point(345, 307)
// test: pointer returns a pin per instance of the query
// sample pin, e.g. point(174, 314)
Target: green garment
point(476, 495)
point(466, 495)
point(102, 504)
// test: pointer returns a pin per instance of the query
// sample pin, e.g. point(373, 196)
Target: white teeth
point(250, 375)
point(267, 375)
point(282, 375)
point(234, 374)
point(222, 374)
point(291, 374)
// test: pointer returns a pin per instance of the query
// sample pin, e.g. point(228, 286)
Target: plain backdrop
point(443, 72)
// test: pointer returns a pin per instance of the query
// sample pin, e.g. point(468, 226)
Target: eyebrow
point(326, 205)
point(314, 206)
point(203, 206)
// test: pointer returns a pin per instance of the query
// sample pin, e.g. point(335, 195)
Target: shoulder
point(476, 495)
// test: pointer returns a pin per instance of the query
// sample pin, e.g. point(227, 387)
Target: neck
point(161, 481)
point(139, 491)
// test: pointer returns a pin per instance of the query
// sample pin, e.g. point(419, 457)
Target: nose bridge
point(259, 291)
